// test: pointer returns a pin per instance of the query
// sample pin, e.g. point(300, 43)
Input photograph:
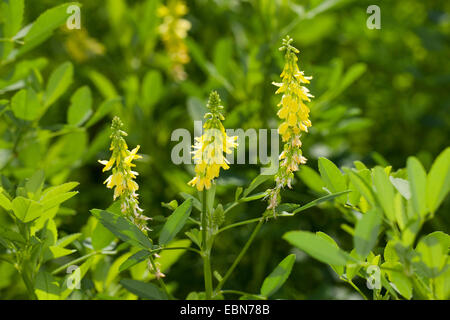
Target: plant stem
point(80, 259)
point(237, 224)
point(206, 252)
point(357, 289)
point(176, 248)
point(240, 256)
point(160, 280)
point(243, 294)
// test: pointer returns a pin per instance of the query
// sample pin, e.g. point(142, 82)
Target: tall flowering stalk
point(209, 148)
point(122, 177)
point(209, 157)
point(295, 116)
point(173, 31)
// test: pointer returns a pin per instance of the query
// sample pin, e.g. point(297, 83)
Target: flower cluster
point(122, 177)
point(173, 31)
point(295, 116)
point(209, 149)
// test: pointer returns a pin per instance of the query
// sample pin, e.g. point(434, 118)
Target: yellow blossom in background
point(294, 113)
point(173, 31)
point(209, 149)
point(122, 176)
point(82, 47)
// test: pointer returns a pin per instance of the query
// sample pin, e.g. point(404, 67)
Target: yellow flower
point(122, 177)
point(295, 115)
point(173, 31)
point(209, 149)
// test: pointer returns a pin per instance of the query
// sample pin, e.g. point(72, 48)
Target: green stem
point(206, 252)
point(176, 248)
point(237, 224)
point(29, 285)
point(240, 256)
point(160, 280)
point(80, 259)
point(357, 289)
point(242, 293)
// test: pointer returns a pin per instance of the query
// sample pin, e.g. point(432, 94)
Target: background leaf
point(278, 276)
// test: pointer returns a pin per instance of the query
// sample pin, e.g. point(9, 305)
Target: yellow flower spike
point(208, 150)
point(295, 115)
point(173, 31)
point(122, 177)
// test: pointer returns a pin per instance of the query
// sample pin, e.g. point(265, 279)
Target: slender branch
point(237, 224)
point(80, 259)
point(160, 279)
point(242, 293)
point(357, 289)
point(234, 204)
point(176, 248)
point(240, 256)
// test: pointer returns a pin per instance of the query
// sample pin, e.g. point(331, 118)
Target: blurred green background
point(380, 96)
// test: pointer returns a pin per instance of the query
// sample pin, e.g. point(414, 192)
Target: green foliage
point(411, 271)
point(278, 276)
point(175, 222)
point(59, 89)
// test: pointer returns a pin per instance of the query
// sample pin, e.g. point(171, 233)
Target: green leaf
point(254, 196)
point(417, 177)
point(438, 180)
point(135, 259)
point(384, 192)
point(11, 22)
point(362, 186)
point(44, 26)
point(338, 269)
point(25, 209)
point(143, 290)
point(101, 237)
point(332, 177)
point(152, 89)
point(311, 178)
point(25, 105)
point(46, 286)
point(58, 190)
point(195, 202)
point(123, 228)
point(175, 222)
point(105, 108)
point(366, 232)
point(352, 268)
point(103, 84)
point(81, 106)
point(442, 284)
point(402, 284)
point(432, 254)
point(317, 247)
point(195, 236)
point(59, 81)
point(4, 201)
point(54, 201)
point(255, 183)
point(72, 280)
point(278, 276)
point(13, 17)
point(11, 235)
point(65, 241)
point(402, 186)
point(54, 252)
point(35, 183)
point(295, 208)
